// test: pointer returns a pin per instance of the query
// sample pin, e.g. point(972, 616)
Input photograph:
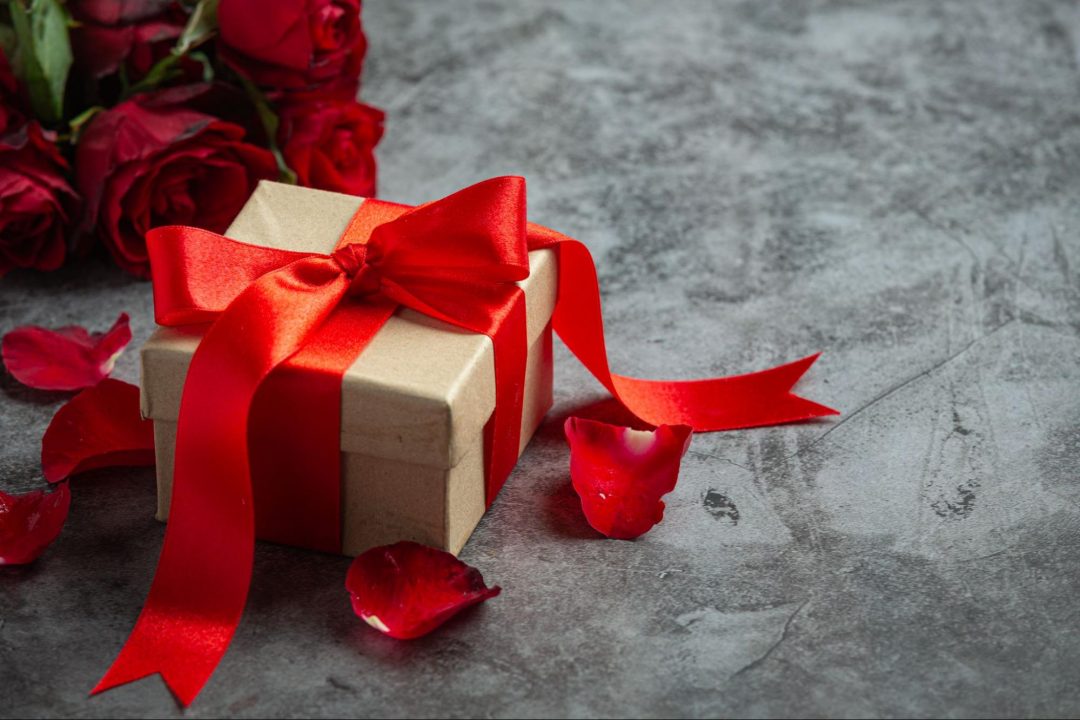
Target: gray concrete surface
point(895, 184)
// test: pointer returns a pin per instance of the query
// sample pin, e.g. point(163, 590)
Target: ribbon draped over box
point(456, 260)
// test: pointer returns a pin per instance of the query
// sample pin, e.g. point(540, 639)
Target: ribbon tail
point(776, 402)
point(726, 403)
point(201, 584)
point(183, 674)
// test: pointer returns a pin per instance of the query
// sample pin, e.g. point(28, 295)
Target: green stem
point(269, 122)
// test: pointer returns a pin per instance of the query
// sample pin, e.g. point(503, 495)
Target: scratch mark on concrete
point(1061, 259)
point(772, 648)
point(947, 232)
point(702, 454)
point(900, 386)
point(978, 558)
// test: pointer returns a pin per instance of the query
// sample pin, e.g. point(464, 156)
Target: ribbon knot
point(351, 258)
point(358, 262)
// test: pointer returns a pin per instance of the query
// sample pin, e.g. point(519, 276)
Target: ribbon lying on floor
point(457, 260)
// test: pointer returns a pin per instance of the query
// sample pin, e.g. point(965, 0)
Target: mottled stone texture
point(895, 184)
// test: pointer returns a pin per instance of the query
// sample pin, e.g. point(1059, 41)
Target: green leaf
point(200, 27)
point(162, 71)
point(44, 56)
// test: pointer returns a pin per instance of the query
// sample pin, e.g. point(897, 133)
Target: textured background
point(894, 184)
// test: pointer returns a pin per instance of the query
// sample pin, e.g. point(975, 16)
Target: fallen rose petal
point(68, 358)
point(620, 473)
point(99, 427)
point(30, 522)
point(406, 590)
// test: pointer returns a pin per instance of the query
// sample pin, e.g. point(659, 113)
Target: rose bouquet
point(120, 115)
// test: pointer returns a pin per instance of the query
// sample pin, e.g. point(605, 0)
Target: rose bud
point(294, 44)
point(152, 161)
point(37, 205)
point(330, 144)
point(110, 33)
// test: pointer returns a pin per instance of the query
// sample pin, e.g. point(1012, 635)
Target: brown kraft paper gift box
point(414, 404)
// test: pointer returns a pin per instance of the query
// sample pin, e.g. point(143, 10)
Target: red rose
point(111, 32)
point(294, 44)
point(36, 202)
point(151, 161)
point(329, 144)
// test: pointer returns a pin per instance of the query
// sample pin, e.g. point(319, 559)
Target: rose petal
point(68, 358)
point(99, 427)
point(30, 522)
point(407, 590)
point(620, 474)
point(115, 12)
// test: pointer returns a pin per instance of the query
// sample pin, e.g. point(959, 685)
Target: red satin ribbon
point(282, 331)
point(727, 403)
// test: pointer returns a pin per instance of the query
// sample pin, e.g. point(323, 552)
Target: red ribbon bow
point(456, 260)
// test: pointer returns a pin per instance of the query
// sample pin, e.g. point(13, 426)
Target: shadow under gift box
point(413, 405)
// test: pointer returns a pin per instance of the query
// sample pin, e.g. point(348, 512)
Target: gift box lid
point(419, 392)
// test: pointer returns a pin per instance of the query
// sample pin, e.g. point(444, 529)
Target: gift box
point(414, 404)
point(309, 389)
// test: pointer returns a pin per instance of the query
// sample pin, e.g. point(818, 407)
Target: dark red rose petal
point(406, 590)
point(620, 474)
point(99, 427)
point(30, 522)
point(117, 12)
point(68, 358)
point(108, 35)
